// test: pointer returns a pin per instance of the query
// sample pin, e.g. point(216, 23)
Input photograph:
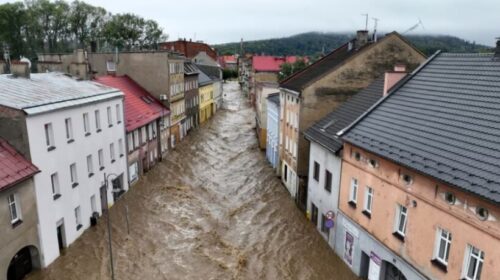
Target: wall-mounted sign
point(330, 215)
point(348, 248)
point(329, 223)
point(374, 269)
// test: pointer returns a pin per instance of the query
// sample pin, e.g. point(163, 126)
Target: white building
point(273, 126)
point(325, 158)
point(74, 132)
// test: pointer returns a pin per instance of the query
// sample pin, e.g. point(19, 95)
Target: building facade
point(143, 117)
point(176, 99)
point(262, 92)
point(18, 215)
point(420, 175)
point(74, 131)
point(273, 120)
point(191, 73)
point(189, 48)
point(321, 87)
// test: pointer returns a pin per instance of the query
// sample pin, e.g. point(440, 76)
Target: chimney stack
point(497, 49)
point(20, 69)
point(361, 38)
point(393, 77)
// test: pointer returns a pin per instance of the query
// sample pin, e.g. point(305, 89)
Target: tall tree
point(12, 29)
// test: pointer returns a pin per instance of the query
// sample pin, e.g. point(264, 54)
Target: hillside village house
point(206, 92)
point(18, 217)
point(420, 186)
point(310, 94)
point(273, 125)
point(215, 75)
point(176, 99)
point(191, 97)
point(262, 91)
point(325, 156)
point(229, 62)
point(143, 115)
point(73, 131)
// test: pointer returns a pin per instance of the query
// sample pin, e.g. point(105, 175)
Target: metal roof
point(44, 92)
point(442, 122)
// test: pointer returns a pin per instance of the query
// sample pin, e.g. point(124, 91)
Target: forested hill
point(314, 43)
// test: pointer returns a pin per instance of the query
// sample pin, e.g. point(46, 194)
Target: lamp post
point(109, 229)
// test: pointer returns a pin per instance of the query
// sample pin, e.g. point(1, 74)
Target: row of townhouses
point(76, 135)
point(394, 157)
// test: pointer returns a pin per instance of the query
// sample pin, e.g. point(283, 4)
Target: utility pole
point(109, 233)
point(366, 21)
point(375, 20)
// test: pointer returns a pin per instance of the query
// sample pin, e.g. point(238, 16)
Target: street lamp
point(109, 228)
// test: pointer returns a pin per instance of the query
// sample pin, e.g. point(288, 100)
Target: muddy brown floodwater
point(212, 210)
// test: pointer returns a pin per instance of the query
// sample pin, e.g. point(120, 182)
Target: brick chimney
point(361, 38)
point(393, 77)
point(20, 69)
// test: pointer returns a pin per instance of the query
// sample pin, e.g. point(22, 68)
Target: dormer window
point(450, 198)
point(407, 179)
point(373, 163)
point(357, 156)
point(482, 213)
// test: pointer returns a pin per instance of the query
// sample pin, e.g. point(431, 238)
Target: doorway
point(61, 236)
point(22, 263)
point(392, 272)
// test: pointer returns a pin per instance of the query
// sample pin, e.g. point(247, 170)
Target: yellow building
point(206, 102)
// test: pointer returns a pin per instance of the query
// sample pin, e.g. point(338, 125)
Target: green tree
point(287, 69)
point(86, 23)
point(13, 28)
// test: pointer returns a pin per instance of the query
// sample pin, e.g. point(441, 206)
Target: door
point(393, 273)
point(60, 237)
point(104, 199)
point(20, 265)
point(314, 214)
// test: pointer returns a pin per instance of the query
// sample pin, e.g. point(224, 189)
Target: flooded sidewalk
point(214, 209)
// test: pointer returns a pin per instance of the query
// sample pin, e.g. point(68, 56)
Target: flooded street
point(214, 209)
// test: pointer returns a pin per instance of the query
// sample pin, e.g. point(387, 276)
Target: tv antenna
point(375, 23)
point(366, 20)
point(419, 23)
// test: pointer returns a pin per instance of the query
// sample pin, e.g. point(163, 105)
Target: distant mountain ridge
point(315, 43)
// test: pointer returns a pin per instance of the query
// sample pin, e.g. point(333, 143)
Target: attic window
point(407, 179)
point(146, 99)
point(482, 213)
point(373, 163)
point(357, 156)
point(450, 198)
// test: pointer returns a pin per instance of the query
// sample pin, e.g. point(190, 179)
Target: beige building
point(19, 245)
point(263, 90)
point(310, 94)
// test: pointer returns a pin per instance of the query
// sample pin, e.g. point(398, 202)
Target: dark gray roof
point(203, 79)
point(324, 132)
point(275, 98)
point(444, 122)
point(190, 68)
point(211, 71)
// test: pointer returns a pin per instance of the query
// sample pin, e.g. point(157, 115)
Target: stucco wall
point(13, 129)
point(272, 143)
point(26, 234)
point(427, 210)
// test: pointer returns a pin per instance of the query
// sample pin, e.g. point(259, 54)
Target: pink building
point(420, 182)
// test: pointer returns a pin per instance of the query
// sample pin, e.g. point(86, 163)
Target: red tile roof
point(266, 63)
point(14, 168)
point(140, 106)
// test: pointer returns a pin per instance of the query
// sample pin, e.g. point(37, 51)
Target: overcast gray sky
point(220, 21)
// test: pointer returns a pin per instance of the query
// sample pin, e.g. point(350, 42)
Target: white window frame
point(112, 152)
point(54, 181)
point(73, 174)
point(443, 238)
point(86, 123)
point(118, 114)
point(90, 165)
point(93, 203)
point(97, 115)
point(120, 146)
point(49, 135)
point(353, 192)
point(368, 205)
point(14, 208)
point(400, 212)
point(69, 129)
point(100, 156)
point(130, 139)
point(78, 217)
point(110, 116)
point(469, 255)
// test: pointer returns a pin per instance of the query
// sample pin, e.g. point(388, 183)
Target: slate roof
point(212, 72)
point(204, 79)
point(275, 98)
point(190, 68)
point(324, 132)
point(141, 107)
point(443, 122)
point(50, 91)
point(14, 168)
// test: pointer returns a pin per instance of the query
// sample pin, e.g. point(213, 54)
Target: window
point(407, 179)
point(54, 179)
point(86, 125)
point(143, 135)
point(450, 198)
point(110, 117)
point(357, 156)
point(150, 131)
point(442, 246)
point(120, 147)
point(482, 213)
point(353, 194)
point(90, 166)
point(314, 214)
point(368, 201)
point(97, 121)
point(324, 228)
point(316, 171)
point(401, 220)
point(328, 181)
point(74, 179)
point(153, 128)
point(136, 138)
point(69, 130)
point(118, 114)
point(93, 204)
point(473, 263)
point(78, 218)
point(100, 155)
point(130, 140)
point(15, 211)
point(49, 137)
point(112, 152)
point(373, 163)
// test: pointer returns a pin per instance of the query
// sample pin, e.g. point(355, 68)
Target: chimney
point(393, 77)
point(20, 69)
point(361, 38)
point(497, 49)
